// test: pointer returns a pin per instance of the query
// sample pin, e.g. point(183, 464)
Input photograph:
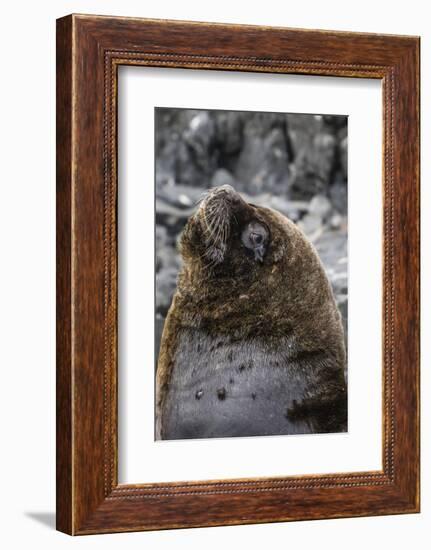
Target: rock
point(290, 209)
point(166, 281)
point(167, 253)
point(332, 247)
point(187, 171)
point(158, 331)
point(321, 207)
point(222, 177)
point(338, 196)
point(339, 282)
point(181, 196)
point(263, 163)
point(199, 136)
point(168, 257)
point(310, 223)
point(173, 218)
point(161, 245)
point(161, 236)
point(229, 132)
point(322, 155)
point(336, 221)
point(343, 157)
point(185, 153)
point(342, 303)
point(336, 124)
point(314, 147)
point(318, 214)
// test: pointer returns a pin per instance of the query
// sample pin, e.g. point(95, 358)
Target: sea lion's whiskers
point(199, 201)
point(216, 229)
point(211, 233)
point(219, 228)
point(202, 197)
point(220, 241)
point(210, 223)
point(214, 225)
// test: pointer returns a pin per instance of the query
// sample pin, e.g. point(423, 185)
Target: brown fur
point(288, 295)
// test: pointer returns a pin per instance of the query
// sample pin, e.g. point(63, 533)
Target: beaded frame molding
point(89, 51)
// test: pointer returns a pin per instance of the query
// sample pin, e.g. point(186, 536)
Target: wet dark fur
point(249, 348)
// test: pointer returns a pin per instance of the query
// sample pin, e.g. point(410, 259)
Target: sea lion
point(253, 341)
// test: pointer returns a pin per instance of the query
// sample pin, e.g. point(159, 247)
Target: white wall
point(27, 219)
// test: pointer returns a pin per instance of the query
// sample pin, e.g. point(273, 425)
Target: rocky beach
point(294, 163)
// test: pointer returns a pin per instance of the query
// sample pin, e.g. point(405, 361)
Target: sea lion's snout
point(224, 195)
point(216, 215)
point(227, 230)
point(226, 190)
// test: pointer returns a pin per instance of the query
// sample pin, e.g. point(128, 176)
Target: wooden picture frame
point(89, 51)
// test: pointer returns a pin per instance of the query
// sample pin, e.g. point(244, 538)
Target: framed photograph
point(237, 274)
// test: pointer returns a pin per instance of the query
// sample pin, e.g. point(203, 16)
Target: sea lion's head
point(248, 269)
point(228, 236)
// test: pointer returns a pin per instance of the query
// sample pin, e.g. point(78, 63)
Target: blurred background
point(294, 163)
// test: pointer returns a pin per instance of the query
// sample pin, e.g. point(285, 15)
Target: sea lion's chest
point(223, 388)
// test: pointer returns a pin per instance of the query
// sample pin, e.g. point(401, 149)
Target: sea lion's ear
point(255, 237)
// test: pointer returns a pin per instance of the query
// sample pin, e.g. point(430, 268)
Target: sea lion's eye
point(255, 238)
